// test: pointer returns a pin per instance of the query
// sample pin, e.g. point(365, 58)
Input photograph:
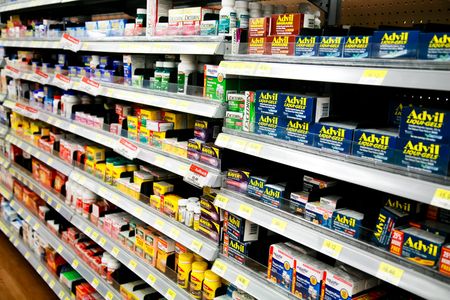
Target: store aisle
point(18, 279)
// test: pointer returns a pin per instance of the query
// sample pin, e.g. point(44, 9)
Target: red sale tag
point(41, 77)
point(197, 176)
point(90, 86)
point(62, 82)
point(68, 42)
point(127, 148)
point(27, 111)
point(12, 72)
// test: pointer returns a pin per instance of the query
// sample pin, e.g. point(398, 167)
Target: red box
point(257, 45)
point(280, 45)
point(396, 245)
point(258, 27)
point(444, 261)
point(286, 24)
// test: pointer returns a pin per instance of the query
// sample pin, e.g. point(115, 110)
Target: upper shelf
point(23, 4)
point(200, 45)
point(415, 74)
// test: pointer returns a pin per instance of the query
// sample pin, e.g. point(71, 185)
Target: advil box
point(305, 108)
point(424, 156)
point(280, 45)
point(270, 125)
point(358, 46)
point(258, 27)
point(257, 45)
point(444, 261)
point(334, 136)
point(375, 144)
point(290, 24)
point(306, 46)
point(427, 124)
point(395, 44)
point(269, 102)
point(297, 131)
point(434, 46)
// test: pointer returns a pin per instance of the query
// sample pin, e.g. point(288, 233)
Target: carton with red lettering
point(444, 261)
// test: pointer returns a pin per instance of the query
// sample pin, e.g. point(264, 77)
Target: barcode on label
point(253, 228)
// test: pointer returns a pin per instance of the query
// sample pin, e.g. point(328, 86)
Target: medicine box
point(209, 228)
point(249, 112)
point(310, 276)
point(258, 27)
point(417, 245)
point(255, 186)
point(358, 47)
point(348, 222)
point(297, 131)
point(237, 179)
point(315, 183)
point(388, 219)
point(280, 45)
point(218, 85)
point(402, 204)
point(268, 124)
point(281, 267)
point(331, 46)
point(426, 124)
point(239, 228)
point(319, 214)
point(333, 136)
point(257, 45)
point(376, 144)
point(305, 108)
point(307, 46)
point(269, 102)
point(395, 44)
point(444, 261)
point(298, 202)
point(274, 194)
point(290, 24)
point(434, 46)
point(238, 250)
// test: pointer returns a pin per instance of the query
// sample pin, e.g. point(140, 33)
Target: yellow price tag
point(95, 235)
point(132, 264)
point(16, 243)
point(389, 273)
point(27, 255)
point(73, 127)
point(59, 249)
point(253, 148)
point(239, 145)
point(61, 294)
point(278, 225)
point(159, 159)
point(115, 251)
point(174, 233)
point(219, 268)
point(222, 140)
point(170, 295)
point(159, 224)
point(242, 282)
point(28, 219)
point(36, 226)
point(20, 211)
point(37, 155)
point(441, 198)
point(102, 241)
point(45, 276)
point(245, 210)
point(151, 278)
point(331, 248)
point(138, 211)
point(95, 282)
point(109, 295)
point(196, 245)
point(75, 263)
point(39, 269)
point(50, 201)
point(82, 180)
point(373, 77)
point(58, 207)
point(221, 201)
point(58, 123)
point(51, 284)
point(88, 230)
point(42, 195)
point(49, 161)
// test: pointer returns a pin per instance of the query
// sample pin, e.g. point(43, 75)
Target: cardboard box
point(218, 85)
point(334, 136)
point(434, 46)
point(376, 144)
point(319, 214)
point(281, 266)
point(305, 108)
point(280, 45)
point(331, 46)
point(258, 27)
point(307, 46)
point(358, 47)
point(274, 194)
point(255, 186)
point(268, 124)
point(248, 124)
point(257, 45)
point(237, 250)
point(239, 228)
point(444, 261)
point(310, 276)
point(348, 222)
point(269, 102)
point(395, 44)
point(388, 219)
point(290, 24)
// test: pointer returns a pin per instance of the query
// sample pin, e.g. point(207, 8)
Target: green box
point(219, 85)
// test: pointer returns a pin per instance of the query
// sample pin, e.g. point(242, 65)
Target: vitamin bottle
point(227, 17)
point(167, 75)
point(210, 285)
point(242, 14)
point(158, 75)
point(255, 9)
point(185, 69)
point(185, 261)
point(197, 275)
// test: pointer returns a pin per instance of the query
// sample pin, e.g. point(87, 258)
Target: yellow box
point(95, 154)
point(178, 119)
point(144, 135)
point(122, 184)
point(133, 124)
point(171, 206)
point(134, 190)
point(155, 202)
point(166, 248)
point(150, 114)
point(139, 177)
point(100, 171)
point(89, 166)
point(162, 188)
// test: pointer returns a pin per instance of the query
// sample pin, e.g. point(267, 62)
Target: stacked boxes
point(240, 113)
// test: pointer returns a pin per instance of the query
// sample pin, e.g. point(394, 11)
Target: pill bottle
point(268, 10)
point(89, 198)
point(113, 265)
point(185, 70)
point(210, 285)
point(190, 215)
point(168, 75)
point(182, 207)
point(227, 17)
point(242, 14)
point(56, 103)
point(196, 280)
point(185, 261)
point(255, 9)
point(197, 213)
point(141, 15)
point(159, 70)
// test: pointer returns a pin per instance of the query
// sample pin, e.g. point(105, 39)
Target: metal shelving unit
point(361, 255)
point(102, 287)
point(3, 130)
point(23, 4)
point(289, 154)
point(61, 291)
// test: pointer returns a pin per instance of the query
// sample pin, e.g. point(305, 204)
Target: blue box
point(431, 125)
point(255, 187)
point(348, 222)
point(319, 214)
point(309, 277)
point(424, 156)
point(298, 131)
point(306, 46)
point(358, 46)
point(375, 144)
point(268, 124)
point(331, 46)
point(395, 44)
point(281, 267)
point(274, 194)
point(388, 219)
point(337, 137)
point(434, 46)
point(305, 108)
point(269, 102)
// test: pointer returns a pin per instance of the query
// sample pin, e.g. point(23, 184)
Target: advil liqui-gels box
point(395, 44)
point(333, 136)
point(310, 275)
point(268, 124)
point(307, 46)
point(331, 46)
point(305, 108)
point(269, 102)
point(281, 266)
point(426, 124)
point(375, 144)
point(297, 131)
point(387, 220)
point(434, 46)
point(348, 222)
point(358, 46)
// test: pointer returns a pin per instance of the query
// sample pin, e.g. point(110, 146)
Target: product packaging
point(334, 136)
point(218, 85)
point(255, 186)
point(395, 44)
point(290, 24)
point(257, 45)
point(258, 27)
point(239, 228)
point(282, 266)
point(388, 219)
point(305, 108)
point(310, 277)
point(444, 261)
point(376, 144)
point(348, 222)
point(331, 46)
point(307, 46)
point(280, 45)
point(274, 194)
point(434, 46)
point(237, 179)
point(358, 47)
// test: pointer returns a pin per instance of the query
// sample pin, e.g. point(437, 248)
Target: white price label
point(127, 148)
point(68, 42)
point(90, 86)
point(63, 82)
point(197, 176)
point(12, 72)
point(40, 77)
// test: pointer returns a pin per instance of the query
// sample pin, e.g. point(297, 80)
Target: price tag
point(75, 264)
point(51, 284)
point(238, 145)
point(20, 211)
point(50, 201)
point(61, 81)
point(127, 148)
point(109, 295)
point(58, 207)
point(59, 249)
point(245, 210)
point(61, 294)
point(12, 203)
point(102, 241)
point(196, 246)
point(49, 161)
point(197, 176)
point(27, 255)
point(389, 273)
point(45, 276)
point(331, 248)
point(174, 233)
point(40, 77)
point(219, 268)
point(242, 282)
point(12, 72)
point(28, 219)
point(151, 278)
point(373, 77)
point(159, 224)
point(95, 282)
point(39, 269)
point(16, 243)
point(68, 42)
point(36, 226)
point(253, 148)
point(115, 251)
point(170, 295)
point(90, 86)
point(441, 198)
point(221, 201)
point(132, 264)
point(95, 235)
point(264, 69)
point(88, 230)
point(27, 111)
point(160, 160)
point(42, 195)
point(278, 225)
point(138, 211)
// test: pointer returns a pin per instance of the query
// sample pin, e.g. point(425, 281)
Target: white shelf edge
point(29, 4)
point(353, 255)
point(6, 193)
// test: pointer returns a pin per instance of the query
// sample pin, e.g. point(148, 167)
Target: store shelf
point(175, 230)
point(397, 73)
point(4, 162)
point(139, 45)
point(414, 278)
point(3, 130)
point(53, 282)
point(23, 4)
point(159, 281)
point(5, 192)
point(40, 154)
point(248, 280)
point(55, 201)
point(383, 180)
point(102, 287)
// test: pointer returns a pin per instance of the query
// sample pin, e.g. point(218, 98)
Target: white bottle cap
point(169, 64)
point(141, 11)
point(254, 5)
point(228, 3)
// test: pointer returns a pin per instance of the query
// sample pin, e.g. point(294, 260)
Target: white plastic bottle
point(185, 69)
point(268, 10)
point(227, 17)
point(255, 9)
point(242, 14)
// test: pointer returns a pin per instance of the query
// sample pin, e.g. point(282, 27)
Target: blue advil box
point(269, 102)
point(307, 46)
point(435, 46)
point(395, 44)
point(375, 144)
point(305, 108)
point(298, 131)
point(331, 46)
point(268, 124)
point(424, 156)
point(334, 136)
point(358, 47)
point(426, 124)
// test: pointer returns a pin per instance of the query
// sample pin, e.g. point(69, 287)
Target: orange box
point(257, 45)
point(286, 24)
point(280, 45)
point(444, 261)
point(18, 190)
point(46, 175)
point(258, 27)
point(35, 164)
